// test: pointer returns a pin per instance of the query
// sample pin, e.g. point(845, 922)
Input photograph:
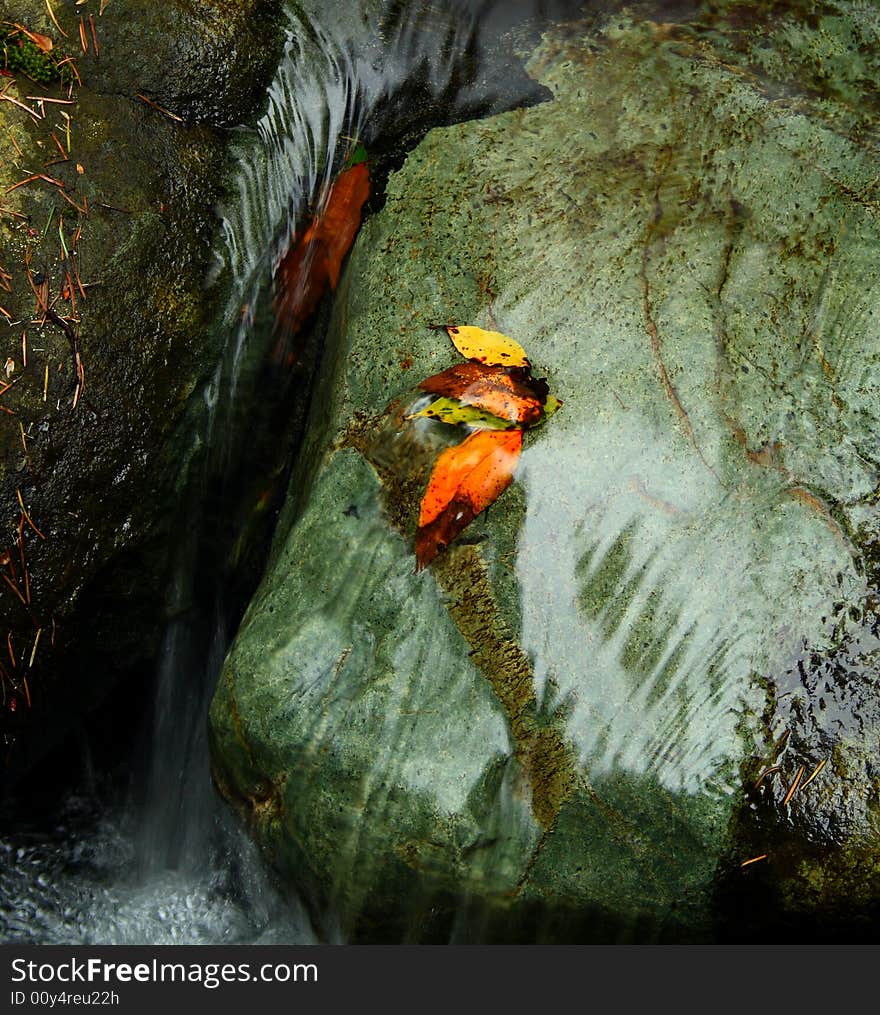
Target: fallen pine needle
point(46, 380)
point(60, 146)
point(54, 20)
point(34, 649)
point(15, 590)
point(816, 771)
point(70, 60)
point(39, 296)
point(794, 786)
point(45, 98)
point(21, 105)
point(32, 178)
point(84, 42)
point(764, 774)
point(161, 109)
point(27, 517)
point(83, 211)
point(754, 859)
point(94, 35)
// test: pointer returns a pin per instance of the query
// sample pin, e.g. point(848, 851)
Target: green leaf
point(450, 410)
point(551, 406)
point(357, 155)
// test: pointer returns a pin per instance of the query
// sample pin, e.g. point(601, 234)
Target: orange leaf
point(314, 260)
point(465, 480)
point(42, 42)
point(507, 392)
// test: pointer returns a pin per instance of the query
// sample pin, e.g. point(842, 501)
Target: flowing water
point(147, 853)
point(657, 544)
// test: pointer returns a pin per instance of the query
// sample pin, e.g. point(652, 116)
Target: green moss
point(21, 56)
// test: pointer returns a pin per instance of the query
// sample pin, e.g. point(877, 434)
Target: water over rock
point(621, 684)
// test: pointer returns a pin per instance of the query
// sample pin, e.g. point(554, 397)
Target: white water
point(164, 862)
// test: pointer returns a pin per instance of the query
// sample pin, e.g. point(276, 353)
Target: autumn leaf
point(551, 406)
point(314, 260)
point(490, 348)
point(509, 393)
point(451, 411)
point(42, 42)
point(465, 480)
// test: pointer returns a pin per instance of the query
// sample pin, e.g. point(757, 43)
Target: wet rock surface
point(620, 686)
point(120, 244)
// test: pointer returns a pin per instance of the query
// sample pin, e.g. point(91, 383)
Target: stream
point(144, 851)
point(637, 700)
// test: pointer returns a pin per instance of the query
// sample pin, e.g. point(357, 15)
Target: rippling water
point(154, 858)
point(637, 591)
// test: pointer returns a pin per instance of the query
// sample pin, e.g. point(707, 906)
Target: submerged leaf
point(448, 410)
point(488, 347)
point(465, 480)
point(314, 260)
point(508, 393)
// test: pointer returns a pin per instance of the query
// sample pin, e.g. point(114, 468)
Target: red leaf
point(465, 480)
point(314, 260)
point(507, 392)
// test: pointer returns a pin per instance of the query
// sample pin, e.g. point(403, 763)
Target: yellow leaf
point(488, 347)
point(450, 410)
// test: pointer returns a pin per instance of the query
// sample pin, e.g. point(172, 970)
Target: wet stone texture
point(564, 718)
point(133, 214)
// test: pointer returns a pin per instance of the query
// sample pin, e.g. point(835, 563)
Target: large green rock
point(564, 717)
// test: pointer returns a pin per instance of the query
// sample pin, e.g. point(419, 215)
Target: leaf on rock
point(448, 410)
point(314, 260)
point(42, 42)
point(490, 348)
point(508, 393)
point(551, 406)
point(465, 480)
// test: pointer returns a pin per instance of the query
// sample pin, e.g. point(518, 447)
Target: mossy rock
point(563, 719)
point(123, 239)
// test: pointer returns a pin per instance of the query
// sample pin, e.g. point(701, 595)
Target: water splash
point(167, 864)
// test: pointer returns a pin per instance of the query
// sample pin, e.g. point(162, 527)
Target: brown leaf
point(507, 392)
point(315, 258)
point(42, 42)
point(465, 480)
